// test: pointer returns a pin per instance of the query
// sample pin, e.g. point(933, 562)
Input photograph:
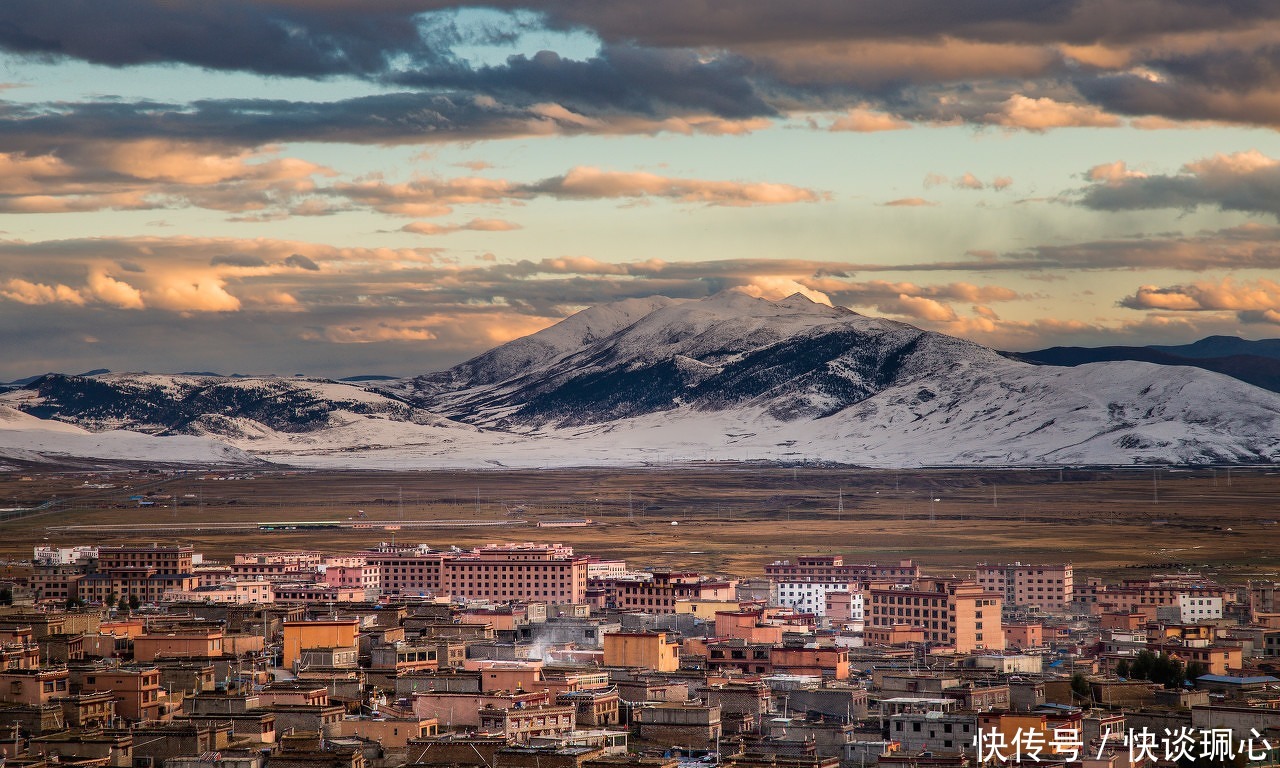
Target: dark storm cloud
point(1244, 181)
point(391, 118)
point(925, 60)
point(709, 22)
point(623, 78)
point(235, 35)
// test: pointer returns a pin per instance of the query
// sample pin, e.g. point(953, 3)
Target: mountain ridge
point(728, 377)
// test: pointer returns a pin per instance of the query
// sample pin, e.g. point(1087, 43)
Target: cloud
point(95, 174)
point(1041, 114)
point(437, 197)
point(1228, 294)
point(862, 120)
point(118, 293)
point(1113, 172)
point(475, 225)
point(301, 262)
point(376, 332)
point(238, 260)
point(967, 180)
point(774, 288)
point(26, 292)
point(918, 307)
point(1242, 181)
point(908, 202)
point(585, 182)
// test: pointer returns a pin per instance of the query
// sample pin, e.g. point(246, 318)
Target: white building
point(811, 597)
point(64, 555)
point(1193, 609)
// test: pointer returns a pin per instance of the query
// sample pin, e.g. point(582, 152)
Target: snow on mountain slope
point(240, 408)
point(540, 349)
point(27, 438)
point(796, 358)
point(729, 377)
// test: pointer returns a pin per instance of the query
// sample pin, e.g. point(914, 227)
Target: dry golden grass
point(732, 519)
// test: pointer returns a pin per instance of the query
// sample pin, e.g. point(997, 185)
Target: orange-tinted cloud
point(585, 182)
point(1042, 114)
point(909, 202)
point(27, 292)
point(863, 120)
point(1227, 294)
point(773, 287)
point(475, 225)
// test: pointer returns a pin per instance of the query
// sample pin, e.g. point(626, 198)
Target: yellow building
point(300, 637)
point(707, 609)
point(645, 650)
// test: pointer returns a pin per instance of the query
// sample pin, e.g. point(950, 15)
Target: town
point(532, 654)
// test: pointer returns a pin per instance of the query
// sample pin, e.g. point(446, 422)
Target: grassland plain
point(730, 519)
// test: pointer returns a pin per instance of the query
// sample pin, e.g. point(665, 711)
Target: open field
point(731, 519)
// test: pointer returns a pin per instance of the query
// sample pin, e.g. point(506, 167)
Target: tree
point(1080, 686)
point(1122, 668)
point(134, 602)
point(111, 600)
point(1161, 669)
point(1196, 669)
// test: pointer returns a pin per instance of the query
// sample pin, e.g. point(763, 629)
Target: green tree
point(1161, 669)
point(6, 596)
point(134, 602)
point(1122, 668)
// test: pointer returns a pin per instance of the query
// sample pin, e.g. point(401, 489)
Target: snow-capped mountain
point(791, 359)
point(727, 377)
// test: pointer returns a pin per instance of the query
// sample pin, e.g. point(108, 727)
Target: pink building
point(363, 577)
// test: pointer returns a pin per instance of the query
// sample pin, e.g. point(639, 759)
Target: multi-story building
point(56, 581)
point(517, 572)
point(408, 573)
point(1047, 588)
point(519, 725)
point(1193, 608)
point(137, 689)
point(952, 612)
point(811, 596)
point(832, 569)
point(657, 592)
point(364, 577)
point(498, 573)
point(64, 555)
point(146, 572)
point(1146, 595)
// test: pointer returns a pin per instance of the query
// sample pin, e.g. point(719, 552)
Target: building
point(1046, 588)
point(1194, 608)
point(646, 650)
point(832, 569)
point(304, 638)
point(811, 597)
point(145, 572)
point(950, 612)
point(660, 591)
point(520, 724)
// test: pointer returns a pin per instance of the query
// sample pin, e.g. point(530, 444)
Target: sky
point(348, 187)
